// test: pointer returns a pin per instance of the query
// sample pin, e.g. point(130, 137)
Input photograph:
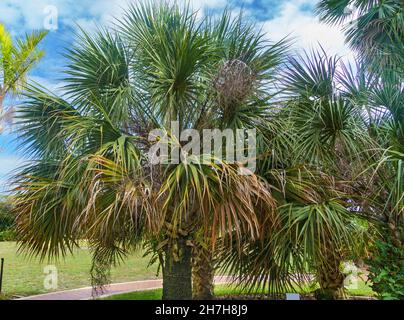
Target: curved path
point(116, 288)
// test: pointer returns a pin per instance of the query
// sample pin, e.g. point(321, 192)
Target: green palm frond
point(310, 75)
point(385, 189)
point(42, 120)
point(47, 204)
point(328, 129)
point(374, 28)
point(98, 70)
point(18, 58)
point(170, 63)
point(327, 119)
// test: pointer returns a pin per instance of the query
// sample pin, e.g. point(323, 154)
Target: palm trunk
point(177, 271)
point(202, 273)
point(331, 281)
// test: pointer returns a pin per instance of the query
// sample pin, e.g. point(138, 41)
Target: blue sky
point(277, 17)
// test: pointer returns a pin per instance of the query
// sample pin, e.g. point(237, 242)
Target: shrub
point(7, 235)
point(6, 220)
point(386, 269)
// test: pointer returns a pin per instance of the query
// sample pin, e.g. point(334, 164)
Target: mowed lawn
point(24, 276)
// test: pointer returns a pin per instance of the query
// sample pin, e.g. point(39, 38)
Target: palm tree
point(383, 192)
point(318, 224)
point(90, 176)
point(332, 136)
point(377, 37)
point(16, 60)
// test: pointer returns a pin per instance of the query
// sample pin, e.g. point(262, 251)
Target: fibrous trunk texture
point(202, 273)
point(177, 271)
point(331, 281)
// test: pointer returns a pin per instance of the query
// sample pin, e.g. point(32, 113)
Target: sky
point(63, 18)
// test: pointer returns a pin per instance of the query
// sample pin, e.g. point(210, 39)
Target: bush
point(386, 269)
point(7, 220)
point(7, 235)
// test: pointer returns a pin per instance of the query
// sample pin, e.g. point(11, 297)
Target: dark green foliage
point(386, 269)
point(7, 235)
point(6, 217)
point(6, 220)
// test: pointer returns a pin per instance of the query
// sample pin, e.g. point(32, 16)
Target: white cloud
point(204, 4)
point(9, 14)
point(104, 12)
point(307, 29)
point(55, 87)
point(291, 19)
point(8, 163)
point(23, 15)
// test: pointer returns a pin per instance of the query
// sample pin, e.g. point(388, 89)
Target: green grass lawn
point(23, 276)
point(224, 290)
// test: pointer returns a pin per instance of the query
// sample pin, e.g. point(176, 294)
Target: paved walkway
point(116, 288)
